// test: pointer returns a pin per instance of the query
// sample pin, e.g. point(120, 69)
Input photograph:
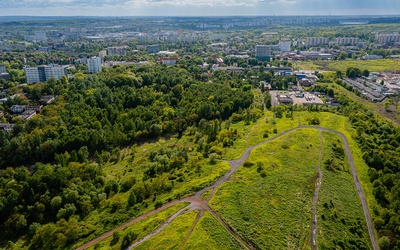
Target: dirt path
point(199, 204)
point(356, 182)
point(315, 197)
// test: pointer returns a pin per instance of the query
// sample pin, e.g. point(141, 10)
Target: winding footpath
point(196, 203)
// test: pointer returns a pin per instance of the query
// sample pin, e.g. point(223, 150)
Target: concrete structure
point(263, 52)
point(315, 41)
point(3, 69)
point(43, 73)
point(121, 50)
point(94, 65)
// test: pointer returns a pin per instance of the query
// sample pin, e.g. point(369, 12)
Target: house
point(168, 60)
point(6, 127)
point(36, 108)
point(27, 114)
point(306, 82)
point(284, 99)
point(46, 99)
point(17, 108)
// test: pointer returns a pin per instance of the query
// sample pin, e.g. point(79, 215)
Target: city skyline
point(198, 7)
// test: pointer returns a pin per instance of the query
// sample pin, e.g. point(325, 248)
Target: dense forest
point(92, 119)
point(52, 175)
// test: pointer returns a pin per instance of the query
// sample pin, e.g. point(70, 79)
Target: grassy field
point(371, 65)
point(341, 223)
point(173, 235)
point(141, 228)
point(210, 234)
point(269, 203)
point(246, 184)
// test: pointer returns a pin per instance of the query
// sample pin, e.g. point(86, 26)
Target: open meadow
point(268, 201)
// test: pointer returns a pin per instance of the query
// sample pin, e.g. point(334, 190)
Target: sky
point(197, 7)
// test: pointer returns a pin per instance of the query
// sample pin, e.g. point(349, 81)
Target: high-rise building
point(116, 51)
point(315, 41)
point(94, 65)
point(346, 41)
point(263, 52)
point(387, 38)
point(44, 73)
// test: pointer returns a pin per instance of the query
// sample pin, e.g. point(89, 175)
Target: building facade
point(116, 51)
point(263, 52)
point(346, 41)
point(44, 73)
point(315, 41)
point(94, 65)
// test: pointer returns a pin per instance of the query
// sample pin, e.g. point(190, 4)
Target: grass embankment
point(210, 234)
point(173, 235)
point(140, 229)
point(341, 222)
point(268, 201)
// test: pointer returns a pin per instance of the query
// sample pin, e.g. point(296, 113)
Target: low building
point(27, 114)
point(46, 99)
point(7, 127)
point(36, 108)
point(17, 108)
point(284, 99)
point(306, 82)
point(5, 76)
point(153, 48)
point(170, 61)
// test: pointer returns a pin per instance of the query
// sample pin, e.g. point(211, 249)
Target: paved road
point(197, 203)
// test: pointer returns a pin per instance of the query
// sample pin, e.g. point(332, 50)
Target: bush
point(248, 164)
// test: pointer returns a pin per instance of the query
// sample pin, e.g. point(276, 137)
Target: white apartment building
point(387, 38)
point(116, 51)
point(347, 41)
point(94, 65)
point(315, 41)
point(44, 73)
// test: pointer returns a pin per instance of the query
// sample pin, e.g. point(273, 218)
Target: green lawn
point(269, 204)
point(341, 223)
point(210, 234)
